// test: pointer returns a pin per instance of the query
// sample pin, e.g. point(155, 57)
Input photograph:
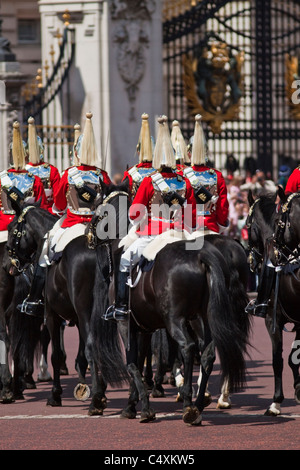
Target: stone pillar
point(117, 71)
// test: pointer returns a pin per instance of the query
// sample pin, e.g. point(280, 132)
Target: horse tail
point(104, 341)
point(239, 298)
point(229, 339)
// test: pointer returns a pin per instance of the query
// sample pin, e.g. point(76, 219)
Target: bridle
point(283, 253)
point(16, 258)
point(93, 240)
point(255, 257)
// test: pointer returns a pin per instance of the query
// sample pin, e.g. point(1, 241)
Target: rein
point(91, 234)
point(15, 258)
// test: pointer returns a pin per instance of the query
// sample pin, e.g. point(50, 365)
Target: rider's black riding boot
point(33, 304)
point(259, 307)
point(119, 310)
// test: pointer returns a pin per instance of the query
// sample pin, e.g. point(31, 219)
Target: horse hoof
point(44, 377)
point(192, 416)
point(147, 416)
point(297, 393)
point(64, 371)
point(93, 411)
point(207, 399)
point(81, 392)
point(158, 393)
point(223, 404)
point(273, 410)
point(128, 414)
point(52, 402)
point(7, 398)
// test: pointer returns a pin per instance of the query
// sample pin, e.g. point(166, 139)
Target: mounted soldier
point(48, 173)
point(17, 185)
point(293, 183)
point(137, 173)
point(259, 306)
point(209, 185)
point(79, 189)
point(156, 208)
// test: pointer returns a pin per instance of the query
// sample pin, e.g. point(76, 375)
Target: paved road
point(31, 425)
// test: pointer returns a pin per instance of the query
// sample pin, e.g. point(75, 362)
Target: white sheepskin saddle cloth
point(160, 241)
point(64, 236)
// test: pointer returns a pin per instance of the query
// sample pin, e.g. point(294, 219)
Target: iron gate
point(236, 63)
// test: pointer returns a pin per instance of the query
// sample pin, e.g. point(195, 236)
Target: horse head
point(110, 221)
point(260, 224)
point(25, 235)
point(287, 231)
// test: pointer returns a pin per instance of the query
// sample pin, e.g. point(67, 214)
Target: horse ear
point(250, 198)
point(281, 194)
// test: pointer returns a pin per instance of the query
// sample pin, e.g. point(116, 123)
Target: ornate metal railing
point(263, 123)
point(46, 93)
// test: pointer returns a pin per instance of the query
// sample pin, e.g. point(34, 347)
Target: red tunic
point(142, 204)
point(293, 183)
point(54, 183)
point(38, 193)
point(127, 175)
point(219, 216)
point(60, 199)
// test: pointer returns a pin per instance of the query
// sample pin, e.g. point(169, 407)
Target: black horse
point(20, 334)
point(271, 236)
point(185, 290)
point(69, 296)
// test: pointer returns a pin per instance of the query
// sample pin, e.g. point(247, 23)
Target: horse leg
point(53, 323)
point(207, 361)
point(6, 289)
point(293, 362)
point(44, 375)
point(63, 368)
point(81, 362)
point(277, 364)
point(6, 393)
point(148, 374)
point(138, 390)
point(179, 332)
point(224, 402)
point(99, 400)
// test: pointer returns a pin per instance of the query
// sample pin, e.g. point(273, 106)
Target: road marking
point(159, 415)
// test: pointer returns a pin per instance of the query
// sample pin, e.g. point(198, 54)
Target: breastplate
point(22, 181)
point(75, 204)
point(158, 209)
point(136, 182)
point(43, 172)
point(209, 180)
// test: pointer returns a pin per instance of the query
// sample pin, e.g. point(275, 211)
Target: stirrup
point(115, 313)
point(34, 309)
point(254, 309)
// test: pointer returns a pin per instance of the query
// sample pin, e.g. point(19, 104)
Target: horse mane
point(268, 207)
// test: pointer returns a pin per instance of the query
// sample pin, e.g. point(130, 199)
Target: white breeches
point(136, 248)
